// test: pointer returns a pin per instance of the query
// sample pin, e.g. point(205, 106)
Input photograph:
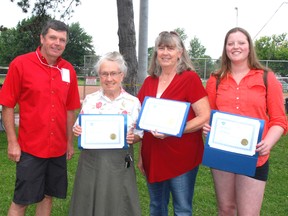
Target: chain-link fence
point(87, 75)
point(205, 66)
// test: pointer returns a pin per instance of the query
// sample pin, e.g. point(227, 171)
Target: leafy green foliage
point(201, 62)
point(182, 34)
point(43, 7)
point(274, 48)
point(26, 38)
point(196, 49)
point(79, 44)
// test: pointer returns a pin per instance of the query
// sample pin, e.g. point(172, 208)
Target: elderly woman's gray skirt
point(104, 186)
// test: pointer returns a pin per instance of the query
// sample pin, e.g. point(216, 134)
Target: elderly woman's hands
point(77, 130)
point(132, 138)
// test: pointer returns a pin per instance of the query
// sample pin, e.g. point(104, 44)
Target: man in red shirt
point(45, 87)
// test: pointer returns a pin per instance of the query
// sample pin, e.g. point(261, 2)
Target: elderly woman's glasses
point(112, 74)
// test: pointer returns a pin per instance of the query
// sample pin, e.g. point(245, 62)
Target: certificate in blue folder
point(103, 131)
point(231, 143)
point(163, 115)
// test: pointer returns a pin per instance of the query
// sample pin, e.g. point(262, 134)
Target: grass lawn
point(275, 200)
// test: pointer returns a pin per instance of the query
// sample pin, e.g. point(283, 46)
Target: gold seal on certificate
point(244, 142)
point(113, 136)
point(225, 134)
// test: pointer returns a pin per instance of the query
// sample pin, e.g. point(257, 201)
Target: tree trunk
point(127, 43)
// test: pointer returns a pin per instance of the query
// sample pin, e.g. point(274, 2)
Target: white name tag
point(65, 73)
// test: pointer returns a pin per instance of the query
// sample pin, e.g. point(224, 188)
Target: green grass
point(2, 78)
point(275, 200)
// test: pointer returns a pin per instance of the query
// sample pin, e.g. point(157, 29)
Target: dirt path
point(84, 90)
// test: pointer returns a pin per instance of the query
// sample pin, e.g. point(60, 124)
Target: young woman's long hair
point(253, 62)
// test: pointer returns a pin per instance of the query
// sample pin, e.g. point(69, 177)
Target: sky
point(208, 20)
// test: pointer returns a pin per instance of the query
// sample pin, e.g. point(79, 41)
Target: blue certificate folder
point(166, 116)
point(103, 131)
point(231, 161)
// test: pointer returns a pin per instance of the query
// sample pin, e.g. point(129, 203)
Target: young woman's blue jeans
point(182, 190)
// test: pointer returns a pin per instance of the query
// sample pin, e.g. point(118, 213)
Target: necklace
point(51, 66)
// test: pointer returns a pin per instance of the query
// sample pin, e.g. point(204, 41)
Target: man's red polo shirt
point(44, 99)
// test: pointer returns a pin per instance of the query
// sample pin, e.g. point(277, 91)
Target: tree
point(270, 48)
point(182, 34)
point(196, 49)
point(150, 53)
point(7, 54)
point(126, 30)
point(127, 42)
point(26, 38)
point(79, 44)
point(274, 49)
point(42, 7)
point(196, 52)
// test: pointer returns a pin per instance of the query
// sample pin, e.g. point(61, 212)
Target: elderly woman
point(171, 163)
point(104, 184)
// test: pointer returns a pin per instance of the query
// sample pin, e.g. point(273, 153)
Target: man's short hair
point(55, 25)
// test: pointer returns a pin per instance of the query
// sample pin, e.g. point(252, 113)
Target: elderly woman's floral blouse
point(98, 103)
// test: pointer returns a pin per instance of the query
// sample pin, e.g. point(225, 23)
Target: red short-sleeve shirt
point(44, 99)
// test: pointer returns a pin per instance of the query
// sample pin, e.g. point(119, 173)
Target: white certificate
point(234, 133)
point(164, 116)
point(102, 131)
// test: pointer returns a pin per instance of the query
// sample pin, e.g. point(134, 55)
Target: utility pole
point(143, 41)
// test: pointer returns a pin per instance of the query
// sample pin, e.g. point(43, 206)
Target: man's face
point(53, 44)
